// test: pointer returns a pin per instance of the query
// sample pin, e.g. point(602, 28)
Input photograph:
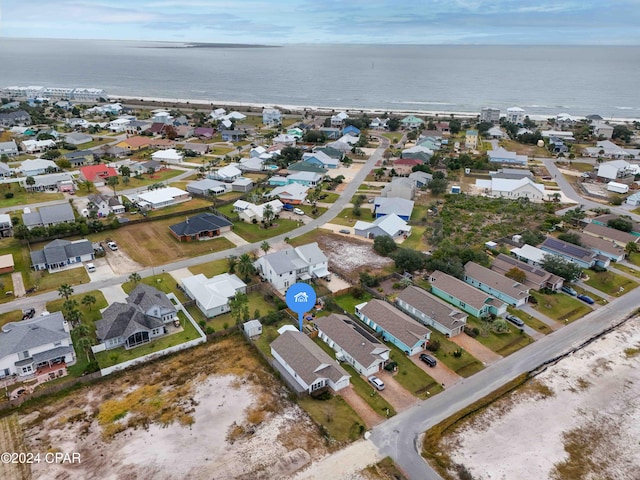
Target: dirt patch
point(212, 412)
point(349, 257)
point(579, 419)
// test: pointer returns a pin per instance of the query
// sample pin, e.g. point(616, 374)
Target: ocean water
point(544, 80)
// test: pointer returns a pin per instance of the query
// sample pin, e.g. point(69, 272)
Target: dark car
point(346, 231)
point(515, 320)
point(569, 290)
point(29, 313)
point(586, 299)
point(428, 359)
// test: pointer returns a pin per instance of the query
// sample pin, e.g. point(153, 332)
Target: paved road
point(345, 198)
point(399, 437)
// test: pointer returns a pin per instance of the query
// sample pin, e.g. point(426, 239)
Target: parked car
point(515, 320)
point(569, 290)
point(586, 299)
point(112, 245)
point(376, 382)
point(287, 207)
point(346, 231)
point(428, 359)
point(91, 267)
point(298, 211)
point(28, 313)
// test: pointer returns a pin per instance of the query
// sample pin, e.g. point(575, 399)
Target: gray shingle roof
point(28, 334)
point(434, 308)
point(459, 289)
point(202, 222)
point(496, 281)
point(49, 215)
point(366, 350)
point(610, 233)
point(311, 253)
point(536, 276)
point(397, 323)
point(59, 251)
point(306, 358)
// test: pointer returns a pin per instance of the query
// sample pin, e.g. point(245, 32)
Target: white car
point(112, 245)
point(91, 267)
point(298, 211)
point(376, 382)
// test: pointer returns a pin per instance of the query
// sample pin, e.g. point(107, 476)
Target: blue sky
point(561, 22)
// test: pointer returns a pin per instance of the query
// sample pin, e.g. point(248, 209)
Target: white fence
point(176, 348)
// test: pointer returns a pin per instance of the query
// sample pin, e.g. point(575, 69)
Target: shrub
point(8, 195)
point(598, 268)
point(471, 331)
point(202, 323)
point(210, 330)
point(357, 293)
point(457, 353)
point(433, 346)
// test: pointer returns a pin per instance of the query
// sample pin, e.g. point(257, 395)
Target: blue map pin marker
point(301, 298)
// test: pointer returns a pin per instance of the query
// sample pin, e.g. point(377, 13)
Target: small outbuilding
point(252, 328)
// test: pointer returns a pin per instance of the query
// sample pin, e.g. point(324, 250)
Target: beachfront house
point(271, 116)
point(431, 311)
point(395, 326)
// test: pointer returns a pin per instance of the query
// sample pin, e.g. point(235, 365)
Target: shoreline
point(208, 103)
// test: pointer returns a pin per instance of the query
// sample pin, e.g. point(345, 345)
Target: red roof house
point(97, 174)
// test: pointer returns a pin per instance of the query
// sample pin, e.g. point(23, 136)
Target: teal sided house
point(503, 288)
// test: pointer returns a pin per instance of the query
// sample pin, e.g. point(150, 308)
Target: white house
point(226, 174)
point(35, 146)
point(60, 254)
point(271, 116)
point(308, 365)
point(171, 155)
point(285, 267)
point(363, 352)
point(601, 129)
point(391, 225)
point(607, 149)
point(37, 348)
point(212, 295)
point(512, 188)
point(617, 187)
point(163, 197)
point(218, 113)
point(400, 187)
point(529, 254)
point(294, 193)
point(285, 139)
point(616, 169)
point(8, 148)
point(501, 155)
point(248, 212)
point(119, 124)
point(338, 119)
point(515, 115)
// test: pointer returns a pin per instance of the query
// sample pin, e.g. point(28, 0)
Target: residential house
point(471, 140)
point(557, 145)
point(387, 205)
point(232, 135)
point(421, 179)
point(566, 135)
point(98, 203)
point(18, 118)
point(515, 115)
point(578, 255)
point(286, 139)
point(418, 152)
point(395, 326)
point(162, 143)
point(321, 159)
point(206, 187)
point(341, 146)
point(53, 182)
point(431, 311)
point(294, 193)
point(604, 220)
point(278, 181)
point(78, 138)
point(60, 254)
point(112, 151)
point(379, 123)
point(616, 169)
point(5, 170)
point(633, 199)
point(512, 189)
point(271, 116)
point(136, 143)
point(296, 132)
point(462, 295)
point(307, 179)
point(253, 164)
point(306, 167)
point(411, 121)
point(351, 130)
point(10, 148)
point(162, 116)
point(496, 284)
point(601, 129)
point(512, 173)
point(338, 119)
point(202, 226)
point(212, 295)
point(529, 254)
point(39, 348)
point(153, 166)
point(353, 344)
point(6, 227)
point(136, 127)
point(169, 156)
point(496, 133)
point(218, 113)
point(242, 184)
point(535, 277)
point(7, 265)
point(602, 246)
point(611, 234)
point(309, 366)
point(332, 133)
point(490, 115)
point(399, 187)
point(608, 149)
point(391, 225)
point(204, 132)
point(163, 197)
point(119, 124)
point(78, 158)
point(49, 215)
point(250, 212)
point(286, 267)
point(97, 174)
point(147, 314)
point(226, 174)
point(501, 155)
point(38, 166)
point(199, 148)
point(404, 166)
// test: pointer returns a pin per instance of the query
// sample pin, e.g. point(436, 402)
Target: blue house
point(321, 159)
point(387, 205)
point(278, 181)
point(351, 130)
point(469, 299)
point(395, 326)
point(496, 284)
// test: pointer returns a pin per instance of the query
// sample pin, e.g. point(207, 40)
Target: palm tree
point(88, 300)
point(113, 182)
point(30, 181)
point(265, 246)
point(65, 290)
point(135, 277)
point(245, 266)
point(80, 331)
point(232, 262)
point(84, 343)
point(268, 215)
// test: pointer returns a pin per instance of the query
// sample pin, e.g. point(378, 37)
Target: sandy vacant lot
point(349, 256)
point(578, 420)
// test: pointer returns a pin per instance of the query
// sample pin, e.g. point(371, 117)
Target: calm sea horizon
point(544, 80)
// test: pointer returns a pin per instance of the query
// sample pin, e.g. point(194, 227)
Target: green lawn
point(335, 416)
point(221, 150)
point(596, 298)
point(254, 232)
point(210, 269)
point(90, 313)
point(146, 179)
point(394, 137)
point(346, 217)
point(533, 322)
point(581, 167)
point(13, 316)
point(348, 303)
point(626, 269)
point(22, 197)
point(331, 197)
point(109, 358)
point(308, 237)
point(6, 285)
point(634, 258)
point(51, 281)
point(560, 307)
point(308, 209)
point(21, 260)
point(610, 283)
point(412, 377)
point(502, 343)
point(419, 212)
point(465, 366)
point(416, 240)
point(163, 282)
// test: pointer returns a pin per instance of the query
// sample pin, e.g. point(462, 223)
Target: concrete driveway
point(103, 270)
point(440, 373)
point(475, 348)
point(114, 293)
point(368, 415)
point(394, 393)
